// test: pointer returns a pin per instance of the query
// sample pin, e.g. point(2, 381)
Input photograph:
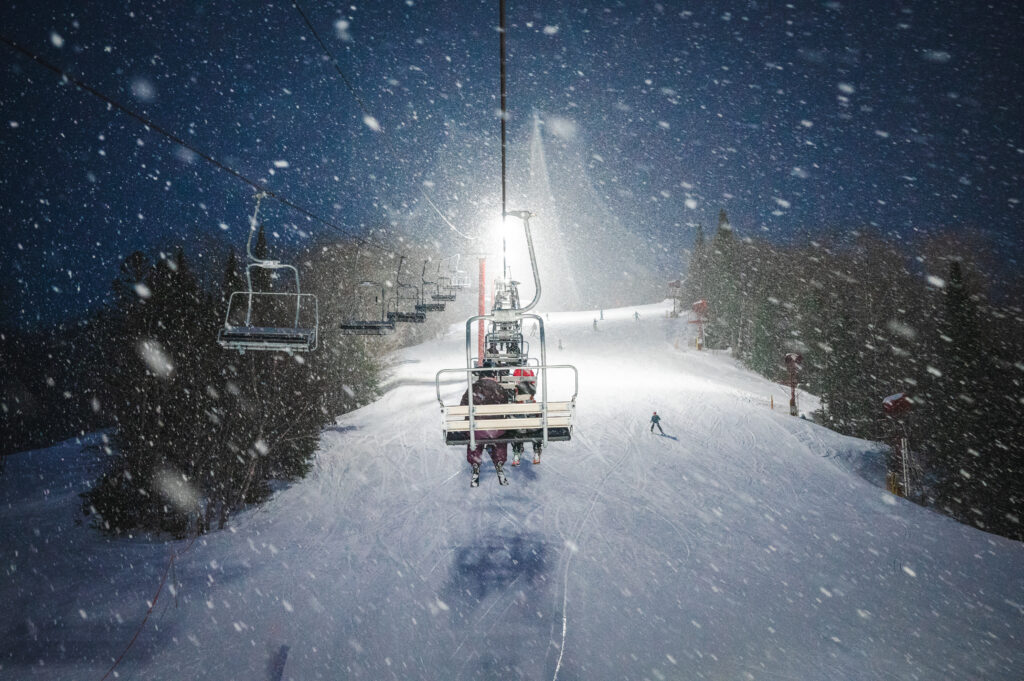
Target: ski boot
point(476, 476)
point(536, 454)
point(517, 453)
point(502, 479)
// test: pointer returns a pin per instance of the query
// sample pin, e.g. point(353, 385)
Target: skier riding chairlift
point(486, 390)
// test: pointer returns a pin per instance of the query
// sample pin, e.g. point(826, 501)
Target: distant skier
point(636, 316)
point(487, 390)
point(602, 314)
point(656, 421)
point(595, 324)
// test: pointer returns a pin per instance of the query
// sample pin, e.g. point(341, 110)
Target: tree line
point(197, 432)
point(944, 327)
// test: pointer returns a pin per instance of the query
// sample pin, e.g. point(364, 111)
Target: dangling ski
point(476, 476)
point(499, 468)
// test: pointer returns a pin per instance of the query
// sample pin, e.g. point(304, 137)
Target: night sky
point(795, 118)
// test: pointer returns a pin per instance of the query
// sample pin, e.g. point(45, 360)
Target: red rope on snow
point(152, 604)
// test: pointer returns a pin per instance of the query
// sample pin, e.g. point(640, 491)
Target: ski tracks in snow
point(572, 546)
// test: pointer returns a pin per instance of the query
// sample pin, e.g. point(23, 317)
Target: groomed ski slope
point(741, 546)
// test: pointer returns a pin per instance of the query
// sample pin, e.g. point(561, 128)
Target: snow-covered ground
point(739, 546)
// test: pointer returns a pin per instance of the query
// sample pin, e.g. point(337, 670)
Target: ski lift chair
point(254, 330)
point(508, 348)
point(541, 421)
point(423, 305)
point(508, 351)
point(370, 327)
point(443, 291)
point(538, 422)
point(404, 316)
point(415, 316)
point(458, 279)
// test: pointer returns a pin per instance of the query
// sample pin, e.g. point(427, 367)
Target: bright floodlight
point(497, 232)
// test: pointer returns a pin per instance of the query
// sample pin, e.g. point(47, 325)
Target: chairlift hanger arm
point(398, 276)
point(525, 216)
point(423, 275)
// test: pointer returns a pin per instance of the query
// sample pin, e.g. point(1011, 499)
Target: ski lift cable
point(504, 116)
point(149, 124)
point(369, 116)
point(504, 104)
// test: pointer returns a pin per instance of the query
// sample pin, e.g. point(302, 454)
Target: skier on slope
point(487, 390)
point(656, 421)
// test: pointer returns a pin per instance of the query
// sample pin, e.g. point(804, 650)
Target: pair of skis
point(499, 468)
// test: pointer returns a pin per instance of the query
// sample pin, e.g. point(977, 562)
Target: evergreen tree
point(233, 279)
point(765, 343)
point(868, 327)
point(960, 458)
point(695, 284)
point(260, 275)
point(202, 432)
point(152, 395)
point(723, 287)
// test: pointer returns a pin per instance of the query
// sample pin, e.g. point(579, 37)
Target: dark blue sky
point(800, 117)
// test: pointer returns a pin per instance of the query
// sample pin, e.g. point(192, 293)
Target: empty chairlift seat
point(269, 320)
point(370, 327)
point(240, 331)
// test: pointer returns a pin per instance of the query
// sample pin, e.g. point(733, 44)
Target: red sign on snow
point(897, 405)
